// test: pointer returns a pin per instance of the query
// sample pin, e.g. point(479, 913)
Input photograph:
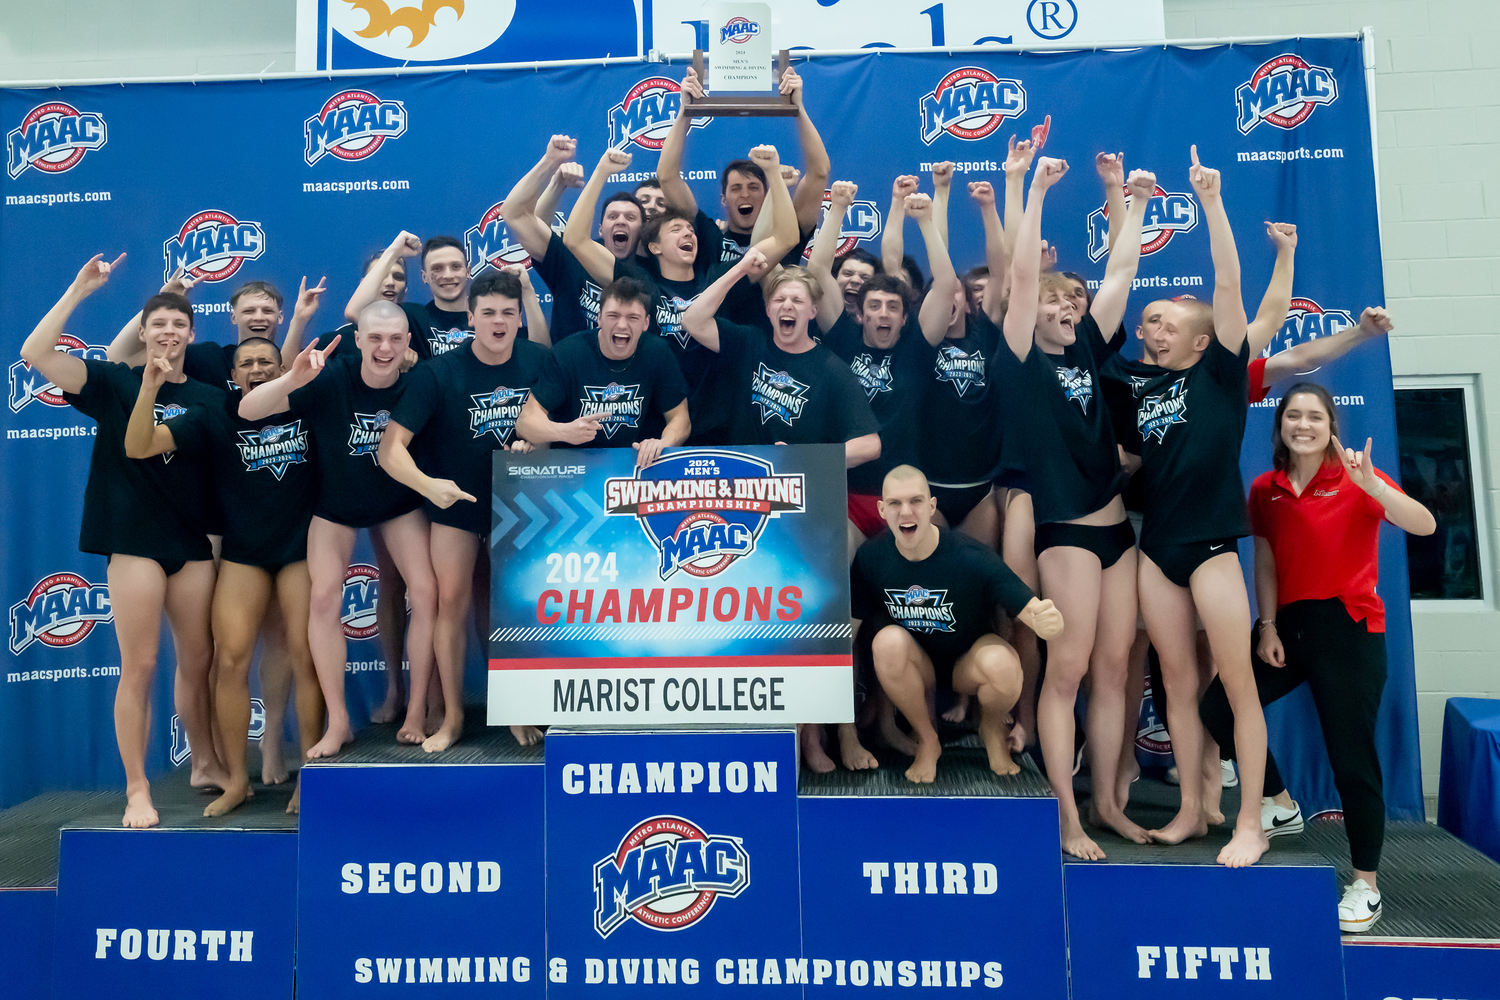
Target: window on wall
point(1437, 431)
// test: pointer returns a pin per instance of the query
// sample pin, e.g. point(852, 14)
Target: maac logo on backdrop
point(646, 114)
point(27, 385)
point(739, 30)
point(703, 510)
point(361, 592)
point(352, 125)
point(1167, 214)
point(213, 245)
point(488, 244)
point(61, 610)
point(1284, 92)
point(1306, 320)
point(861, 223)
point(970, 103)
point(53, 137)
point(666, 875)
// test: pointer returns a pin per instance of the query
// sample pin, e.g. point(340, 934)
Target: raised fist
point(842, 193)
point(983, 192)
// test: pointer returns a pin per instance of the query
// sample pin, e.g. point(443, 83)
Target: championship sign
point(711, 586)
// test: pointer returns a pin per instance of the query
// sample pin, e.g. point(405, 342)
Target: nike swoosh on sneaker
point(1284, 822)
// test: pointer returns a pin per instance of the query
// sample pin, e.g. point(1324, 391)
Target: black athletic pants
point(1344, 665)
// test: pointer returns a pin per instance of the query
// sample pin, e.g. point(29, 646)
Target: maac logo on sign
point(53, 137)
point(213, 245)
point(1306, 320)
point(1167, 214)
point(1284, 92)
point(666, 875)
point(703, 510)
point(361, 592)
point(970, 103)
point(26, 385)
point(738, 30)
point(488, 244)
point(61, 610)
point(861, 223)
point(646, 114)
point(352, 125)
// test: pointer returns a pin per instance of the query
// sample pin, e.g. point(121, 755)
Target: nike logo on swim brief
point(1215, 548)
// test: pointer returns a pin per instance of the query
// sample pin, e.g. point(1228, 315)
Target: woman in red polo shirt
point(1316, 518)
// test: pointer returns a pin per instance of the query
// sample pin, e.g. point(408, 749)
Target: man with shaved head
point(346, 410)
point(931, 594)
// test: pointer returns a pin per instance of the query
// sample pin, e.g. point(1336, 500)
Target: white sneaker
point(1227, 776)
point(1173, 777)
point(1279, 822)
point(1359, 909)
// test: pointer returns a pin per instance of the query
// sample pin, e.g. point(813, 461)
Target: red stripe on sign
point(667, 662)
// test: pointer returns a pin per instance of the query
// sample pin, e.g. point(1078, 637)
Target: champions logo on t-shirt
point(962, 369)
point(1159, 411)
point(777, 394)
point(443, 341)
point(275, 448)
point(61, 610)
point(666, 874)
point(212, 245)
point(364, 433)
point(969, 103)
point(1284, 92)
point(621, 405)
point(352, 125)
point(669, 310)
point(1167, 214)
point(874, 376)
point(27, 385)
point(165, 412)
point(918, 609)
point(53, 138)
point(1077, 385)
point(705, 509)
point(646, 114)
point(496, 412)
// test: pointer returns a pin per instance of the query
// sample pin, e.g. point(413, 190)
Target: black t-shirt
point(734, 245)
point(346, 418)
point(961, 410)
point(946, 601)
point(159, 508)
point(893, 380)
point(346, 351)
point(211, 363)
point(1123, 382)
point(435, 331)
point(577, 379)
point(806, 398)
point(575, 295)
point(264, 475)
point(1062, 424)
point(1191, 425)
point(460, 410)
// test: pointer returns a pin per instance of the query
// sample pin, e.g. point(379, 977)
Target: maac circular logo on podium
point(666, 875)
point(361, 593)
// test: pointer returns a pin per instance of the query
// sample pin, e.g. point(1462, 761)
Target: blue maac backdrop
point(306, 177)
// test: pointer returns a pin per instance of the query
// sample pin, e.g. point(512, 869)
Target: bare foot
point(1124, 778)
point(1080, 845)
point(434, 721)
point(332, 742)
point(231, 799)
point(1182, 827)
point(390, 710)
point(527, 736)
point(295, 806)
point(814, 757)
point(855, 756)
point(895, 738)
point(1213, 817)
point(444, 738)
point(996, 745)
point(273, 769)
point(1017, 738)
point(923, 770)
point(410, 734)
point(139, 812)
point(1244, 848)
point(959, 711)
point(208, 773)
point(1117, 821)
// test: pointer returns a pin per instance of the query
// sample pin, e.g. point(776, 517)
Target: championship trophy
point(743, 76)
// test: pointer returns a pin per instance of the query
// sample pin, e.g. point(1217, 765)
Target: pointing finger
point(1194, 151)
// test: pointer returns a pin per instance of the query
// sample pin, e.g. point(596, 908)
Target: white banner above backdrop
point(364, 34)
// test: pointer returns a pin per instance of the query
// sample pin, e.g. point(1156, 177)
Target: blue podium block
point(410, 875)
point(672, 861)
point(1188, 931)
point(905, 892)
point(1391, 969)
point(26, 918)
point(156, 913)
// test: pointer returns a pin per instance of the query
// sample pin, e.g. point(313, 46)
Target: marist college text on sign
point(705, 588)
